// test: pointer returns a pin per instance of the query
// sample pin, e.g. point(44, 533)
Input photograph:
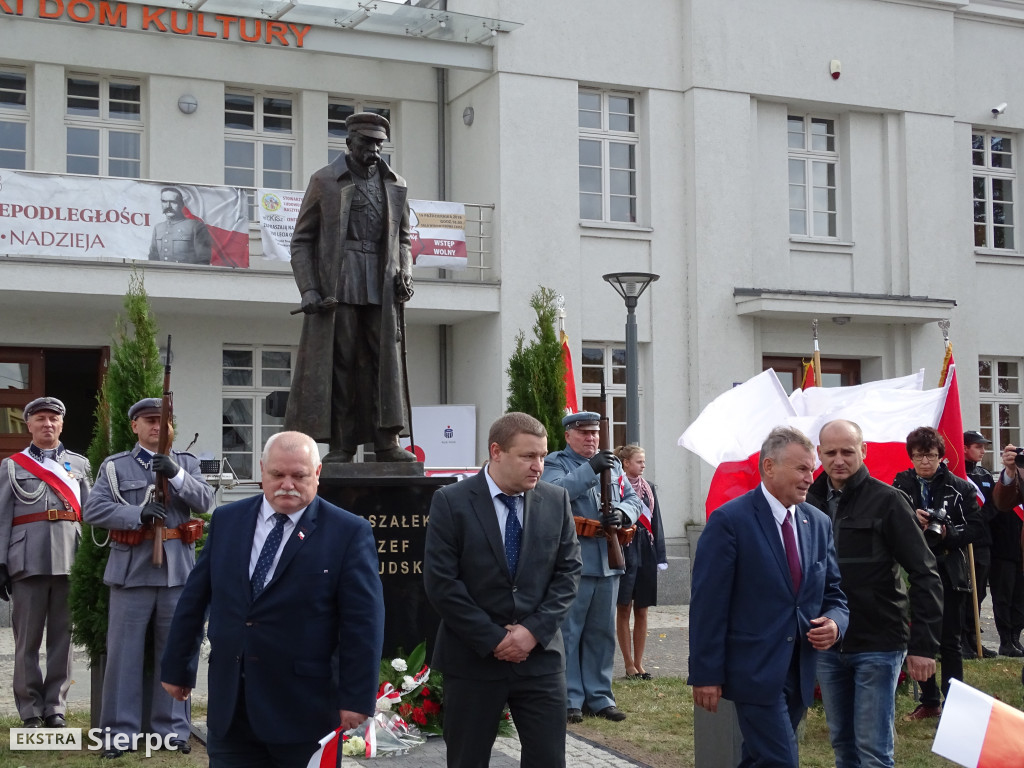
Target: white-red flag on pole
point(977, 731)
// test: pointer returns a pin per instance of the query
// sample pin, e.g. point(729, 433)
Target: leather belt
point(134, 538)
point(51, 514)
point(367, 246)
point(169, 533)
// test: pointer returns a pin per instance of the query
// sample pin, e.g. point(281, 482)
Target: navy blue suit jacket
point(744, 613)
point(309, 645)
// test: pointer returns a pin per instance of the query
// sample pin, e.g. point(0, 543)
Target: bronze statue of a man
point(351, 262)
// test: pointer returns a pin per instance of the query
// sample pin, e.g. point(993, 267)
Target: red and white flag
point(808, 380)
point(327, 755)
point(977, 731)
point(729, 431)
point(571, 401)
point(225, 211)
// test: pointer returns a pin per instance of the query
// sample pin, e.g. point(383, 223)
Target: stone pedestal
point(395, 499)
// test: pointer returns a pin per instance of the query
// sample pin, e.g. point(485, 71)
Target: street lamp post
point(629, 285)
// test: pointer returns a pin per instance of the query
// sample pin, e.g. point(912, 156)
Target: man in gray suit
point(502, 565)
point(42, 490)
point(141, 594)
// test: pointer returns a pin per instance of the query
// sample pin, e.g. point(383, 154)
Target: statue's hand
point(311, 302)
point(403, 286)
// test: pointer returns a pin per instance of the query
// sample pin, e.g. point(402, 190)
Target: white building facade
point(707, 141)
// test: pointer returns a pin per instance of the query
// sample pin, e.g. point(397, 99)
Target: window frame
point(994, 403)
point(808, 156)
point(105, 125)
point(606, 137)
point(613, 360)
point(989, 174)
point(11, 114)
point(260, 138)
point(255, 392)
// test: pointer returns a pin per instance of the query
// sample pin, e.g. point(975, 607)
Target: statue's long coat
point(317, 263)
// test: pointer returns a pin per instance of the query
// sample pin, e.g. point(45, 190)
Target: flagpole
point(944, 325)
point(817, 354)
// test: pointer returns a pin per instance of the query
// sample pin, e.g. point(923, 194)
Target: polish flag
point(977, 731)
point(808, 380)
point(729, 431)
point(225, 211)
point(327, 755)
point(951, 426)
point(571, 401)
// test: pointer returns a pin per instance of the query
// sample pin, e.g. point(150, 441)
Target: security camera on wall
point(998, 109)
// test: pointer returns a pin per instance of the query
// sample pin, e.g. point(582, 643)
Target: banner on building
point(90, 217)
point(445, 435)
point(438, 229)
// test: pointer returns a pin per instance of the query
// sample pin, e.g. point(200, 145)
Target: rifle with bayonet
point(611, 532)
point(160, 493)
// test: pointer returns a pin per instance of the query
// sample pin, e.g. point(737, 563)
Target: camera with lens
point(936, 519)
point(1019, 458)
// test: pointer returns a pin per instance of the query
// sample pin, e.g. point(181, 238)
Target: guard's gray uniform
point(186, 241)
point(140, 593)
point(38, 556)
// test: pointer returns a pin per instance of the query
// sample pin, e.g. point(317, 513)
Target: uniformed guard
point(42, 490)
point(141, 594)
point(179, 238)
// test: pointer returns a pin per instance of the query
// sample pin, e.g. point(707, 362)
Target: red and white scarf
point(646, 494)
point(58, 477)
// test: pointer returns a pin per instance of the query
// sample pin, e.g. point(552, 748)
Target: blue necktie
point(513, 533)
point(266, 558)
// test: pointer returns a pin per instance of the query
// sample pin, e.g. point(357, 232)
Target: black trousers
point(472, 709)
point(1007, 581)
point(952, 628)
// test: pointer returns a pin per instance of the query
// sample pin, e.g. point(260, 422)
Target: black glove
point(601, 461)
point(152, 512)
point(165, 465)
point(5, 584)
point(614, 518)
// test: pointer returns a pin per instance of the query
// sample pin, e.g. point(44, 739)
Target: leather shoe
point(923, 712)
point(1009, 649)
point(181, 745)
point(56, 720)
point(112, 754)
point(573, 716)
point(612, 713)
point(32, 722)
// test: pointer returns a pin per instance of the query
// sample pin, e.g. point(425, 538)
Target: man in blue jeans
point(875, 532)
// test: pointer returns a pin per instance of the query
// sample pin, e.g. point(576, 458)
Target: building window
point(13, 119)
point(104, 126)
point(250, 373)
point(999, 401)
point(993, 177)
point(835, 372)
point(338, 111)
point(259, 142)
point(813, 162)
point(605, 363)
point(608, 156)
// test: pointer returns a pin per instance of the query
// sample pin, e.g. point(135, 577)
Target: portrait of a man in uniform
point(179, 238)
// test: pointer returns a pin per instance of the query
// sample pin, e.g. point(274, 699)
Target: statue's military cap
point(369, 124)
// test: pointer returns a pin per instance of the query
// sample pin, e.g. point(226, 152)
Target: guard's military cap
point(45, 404)
point(369, 124)
point(145, 407)
point(971, 437)
point(585, 420)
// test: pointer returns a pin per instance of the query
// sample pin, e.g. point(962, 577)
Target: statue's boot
point(394, 453)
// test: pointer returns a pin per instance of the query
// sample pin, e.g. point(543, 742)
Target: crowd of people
point(801, 580)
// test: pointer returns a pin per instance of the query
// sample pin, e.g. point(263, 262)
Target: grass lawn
point(659, 729)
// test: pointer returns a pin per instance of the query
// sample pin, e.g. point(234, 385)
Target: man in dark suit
point(502, 566)
point(296, 618)
point(765, 599)
point(351, 262)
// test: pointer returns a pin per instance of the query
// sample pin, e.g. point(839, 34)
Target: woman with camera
point(947, 510)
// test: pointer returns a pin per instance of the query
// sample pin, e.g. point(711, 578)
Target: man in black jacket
point(1007, 578)
point(947, 511)
point(875, 533)
point(974, 451)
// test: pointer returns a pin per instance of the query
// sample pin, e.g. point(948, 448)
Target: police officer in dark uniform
point(140, 594)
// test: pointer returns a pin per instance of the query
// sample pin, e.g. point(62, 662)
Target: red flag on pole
point(571, 401)
point(951, 423)
point(808, 379)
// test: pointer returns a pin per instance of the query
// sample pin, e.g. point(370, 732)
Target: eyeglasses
point(929, 457)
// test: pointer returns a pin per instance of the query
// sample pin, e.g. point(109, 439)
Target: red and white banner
point(977, 731)
point(437, 229)
point(90, 217)
point(438, 234)
point(729, 431)
point(571, 400)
